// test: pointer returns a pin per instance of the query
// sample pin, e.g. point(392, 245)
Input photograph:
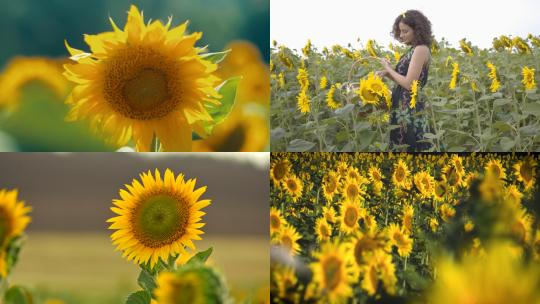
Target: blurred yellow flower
point(23, 71)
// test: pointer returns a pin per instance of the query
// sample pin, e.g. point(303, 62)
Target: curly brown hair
point(419, 23)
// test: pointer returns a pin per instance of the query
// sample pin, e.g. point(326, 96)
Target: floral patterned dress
point(411, 127)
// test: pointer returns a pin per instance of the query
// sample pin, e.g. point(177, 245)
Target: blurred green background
point(38, 28)
point(35, 27)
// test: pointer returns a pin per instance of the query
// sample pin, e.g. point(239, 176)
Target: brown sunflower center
point(495, 170)
point(352, 191)
point(332, 272)
point(275, 222)
point(324, 231)
point(280, 170)
point(526, 172)
point(291, 184)
point(351, 217)
point(141, 83)
point(160, 220)
point(400, 174)
point(287, 242)
point(362, 245)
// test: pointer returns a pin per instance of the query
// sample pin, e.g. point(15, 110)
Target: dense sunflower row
point(476, 99)
point(396, 227)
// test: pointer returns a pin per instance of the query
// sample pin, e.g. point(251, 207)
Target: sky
point(327, 23)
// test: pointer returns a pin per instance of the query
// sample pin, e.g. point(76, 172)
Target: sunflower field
point(404, 228)
point(476, 99)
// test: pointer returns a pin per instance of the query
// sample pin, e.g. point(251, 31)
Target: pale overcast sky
point(329, 22)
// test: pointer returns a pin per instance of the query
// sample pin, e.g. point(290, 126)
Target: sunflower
point(425, 183)
point(322, 230)
point(288, 238)
point(407, 217)
point(441, 190)
point(375, 174)
point(466, 47)
point(323, 83)
point(195, 284)
point(332, 272)
point(528, 78)
point(350, 214)
point(303, 102)
point(352, 173)
point(414, 93)
point(329, 214)
point(494, 168)
point(351, 190)
point(452, 175)
point(22, 71)
point(13, 220)
point(513, 195)
point(240, 132)
point(294, 186)
point(372, 90)
point(255, 84)
point(332, 104)
point(401, 174)
point(276, 220)
point(399, 238)
point(447, 212)
point(522, 226)
point(279, 170)
point(495, 84)
point(284, 278)
point(364, 243)
point(455, 73)
point(379, 266)
point(525, 171)
point(143, 82)
point(330, 185)
point(158, 218)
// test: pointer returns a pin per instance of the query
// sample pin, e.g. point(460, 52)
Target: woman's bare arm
point(419, 58)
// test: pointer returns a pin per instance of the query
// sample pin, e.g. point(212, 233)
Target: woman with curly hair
point(413, 29)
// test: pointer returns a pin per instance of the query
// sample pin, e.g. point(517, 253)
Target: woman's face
point(406, 33)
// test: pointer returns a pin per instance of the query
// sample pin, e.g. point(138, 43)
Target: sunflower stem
point(156, 144)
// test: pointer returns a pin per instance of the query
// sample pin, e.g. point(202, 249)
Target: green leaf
point(146, 281)
point(139, 297)
point(219, 113)
point(201, 256)
point(18, 295)
point(300, 145)
point(507, 144)
point(345, 110)
point(501, 101)
point(216, 57)
point(532, 108)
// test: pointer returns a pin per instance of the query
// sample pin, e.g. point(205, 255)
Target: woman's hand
point(381, 74)
point(386, 64)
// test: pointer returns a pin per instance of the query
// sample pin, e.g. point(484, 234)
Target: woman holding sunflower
point(413, 29)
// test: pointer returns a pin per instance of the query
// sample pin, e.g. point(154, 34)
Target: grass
point(84, 268)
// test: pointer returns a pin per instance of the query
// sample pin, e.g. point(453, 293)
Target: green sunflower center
point(185, 291)
point(332, 272)
point(160, 220)
point(5, 226)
